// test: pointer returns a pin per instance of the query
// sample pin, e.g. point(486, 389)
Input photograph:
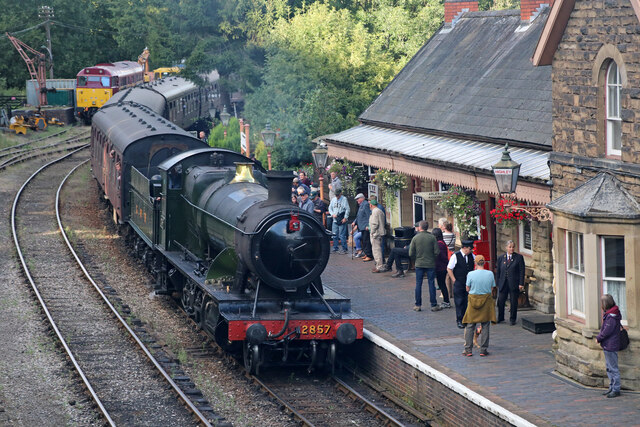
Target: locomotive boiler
point(244, 262)
point(220, 235)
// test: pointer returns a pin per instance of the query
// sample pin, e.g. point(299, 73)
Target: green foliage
point(231, 141)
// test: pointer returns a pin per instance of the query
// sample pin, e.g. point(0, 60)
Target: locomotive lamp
point(506, 173)
point(320, 155)
point(269, 137)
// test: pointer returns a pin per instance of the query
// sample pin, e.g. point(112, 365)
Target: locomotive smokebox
point(279, 183)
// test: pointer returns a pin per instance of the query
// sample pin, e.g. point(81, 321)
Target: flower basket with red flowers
point(508, 217)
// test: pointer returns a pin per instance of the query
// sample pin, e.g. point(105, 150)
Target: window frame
point(604, 279)
point(610, 118)
point(521, 239)
point(571, 273)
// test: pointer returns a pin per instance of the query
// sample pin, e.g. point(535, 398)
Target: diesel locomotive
point(96, 85)
point(220, 234)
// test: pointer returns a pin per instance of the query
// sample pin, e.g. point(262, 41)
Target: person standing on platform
point(339, 211)
point(424, 250)
point(609, 339)
point(361, 226)
point(304, 179)
point(334, 185)
point(319, 206)
point(510, 281)
point(384, 213)
point(460, 264)
point(304, 202)
point(441, 268)
point(448, 236)
point(377, 230)
point(481, 308)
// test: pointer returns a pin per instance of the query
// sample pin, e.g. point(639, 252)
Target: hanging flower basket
point(352, 176)
point(465, 209)
point(506, 217)
point(390, 182)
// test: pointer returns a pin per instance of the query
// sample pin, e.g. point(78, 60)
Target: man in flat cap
point(460, 264)
point(377, 230)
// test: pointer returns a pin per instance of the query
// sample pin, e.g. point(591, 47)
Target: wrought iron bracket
point(537, 212)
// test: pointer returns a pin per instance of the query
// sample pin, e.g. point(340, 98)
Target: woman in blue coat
point(609, 339)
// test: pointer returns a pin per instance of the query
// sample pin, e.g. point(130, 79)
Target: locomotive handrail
point(220, 219)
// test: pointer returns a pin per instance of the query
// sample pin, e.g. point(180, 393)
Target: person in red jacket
point(609, 339)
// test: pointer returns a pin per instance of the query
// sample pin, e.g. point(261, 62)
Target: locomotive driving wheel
point(251, 355)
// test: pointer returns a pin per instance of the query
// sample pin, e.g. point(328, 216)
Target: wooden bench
point(523, 298)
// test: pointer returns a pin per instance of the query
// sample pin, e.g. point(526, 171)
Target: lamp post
point(506, 173)
point(224, 117)
point(320, 155)
point(269, 137)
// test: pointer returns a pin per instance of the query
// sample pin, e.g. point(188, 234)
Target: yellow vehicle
point(20, 124)
point(159, 73)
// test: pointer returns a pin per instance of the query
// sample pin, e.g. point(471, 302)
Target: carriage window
point(82, 81)
point(104, 81)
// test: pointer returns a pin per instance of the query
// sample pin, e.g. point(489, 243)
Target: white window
point(526, 244)
point(614, 123)
point(575, 274)
point(613, 278)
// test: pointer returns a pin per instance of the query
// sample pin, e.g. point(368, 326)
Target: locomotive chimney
point(279, 184)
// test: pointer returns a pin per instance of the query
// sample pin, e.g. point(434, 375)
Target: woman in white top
point(447, 233)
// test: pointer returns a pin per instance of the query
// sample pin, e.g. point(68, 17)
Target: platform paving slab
point(519, 372)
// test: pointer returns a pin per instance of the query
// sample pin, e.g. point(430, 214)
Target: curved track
point(26, 151)
point(124, 385)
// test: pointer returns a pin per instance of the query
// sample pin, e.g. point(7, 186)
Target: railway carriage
point(96, 85)
point(130, 135)
point(219, 233)
point(174, 98)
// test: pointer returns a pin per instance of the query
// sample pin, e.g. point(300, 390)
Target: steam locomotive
point(219, 233)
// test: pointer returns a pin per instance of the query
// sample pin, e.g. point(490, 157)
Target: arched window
point(614, 123)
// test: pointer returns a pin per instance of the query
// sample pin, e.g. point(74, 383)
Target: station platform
point(517, 377)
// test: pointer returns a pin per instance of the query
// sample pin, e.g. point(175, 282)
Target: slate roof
point(475, 80)
point(601, 197)
point(474, 155)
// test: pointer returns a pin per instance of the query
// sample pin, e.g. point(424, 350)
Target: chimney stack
point(454, 8)
point(529, 9)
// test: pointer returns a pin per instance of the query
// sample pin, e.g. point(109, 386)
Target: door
point(485, 246)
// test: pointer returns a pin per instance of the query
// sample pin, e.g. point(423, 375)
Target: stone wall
point(581, 358)
point(596, 33)
point(440, 404)
point(597, 30)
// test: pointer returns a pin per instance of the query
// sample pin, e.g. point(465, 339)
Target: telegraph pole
point(46, 12)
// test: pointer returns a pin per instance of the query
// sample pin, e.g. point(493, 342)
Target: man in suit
point(510, 281)
point(460, 264)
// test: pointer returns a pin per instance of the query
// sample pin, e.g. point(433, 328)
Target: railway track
point(126, 382)
point(26, 151)
point(322, 400)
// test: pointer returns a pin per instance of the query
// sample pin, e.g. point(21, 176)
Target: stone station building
point(445, 118)
point(594, 50)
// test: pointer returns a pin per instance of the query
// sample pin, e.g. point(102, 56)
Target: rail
point(25, 268)
point(122, 321)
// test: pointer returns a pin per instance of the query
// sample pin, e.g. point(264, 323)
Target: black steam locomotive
point(220, 233)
